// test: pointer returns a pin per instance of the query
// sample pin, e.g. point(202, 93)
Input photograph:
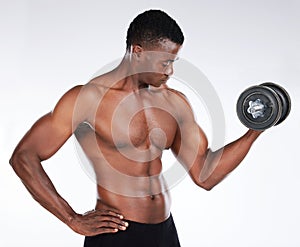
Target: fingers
point(113, 225)
point(104, 212)
point(101, 221)
point(109, 219)
point(109, 212)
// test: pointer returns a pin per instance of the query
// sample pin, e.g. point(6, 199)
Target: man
point(123, 120)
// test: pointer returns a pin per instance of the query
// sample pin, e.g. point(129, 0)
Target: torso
point(125, 142)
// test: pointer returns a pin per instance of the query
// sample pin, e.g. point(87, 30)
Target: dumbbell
point(263, 106)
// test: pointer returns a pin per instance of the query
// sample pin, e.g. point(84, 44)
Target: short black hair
point(152, 26)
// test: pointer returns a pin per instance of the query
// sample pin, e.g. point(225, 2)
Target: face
point(155, 65)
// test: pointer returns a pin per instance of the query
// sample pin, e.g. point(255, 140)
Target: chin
point(159, 84)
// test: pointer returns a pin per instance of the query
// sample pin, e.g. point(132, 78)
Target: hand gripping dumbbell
point(263, 106)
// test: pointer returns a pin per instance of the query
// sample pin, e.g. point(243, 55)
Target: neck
point(128, 78)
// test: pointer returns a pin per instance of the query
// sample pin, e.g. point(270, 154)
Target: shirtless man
point(123, 120)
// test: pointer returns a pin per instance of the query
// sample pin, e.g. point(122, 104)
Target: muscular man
point(123, 120)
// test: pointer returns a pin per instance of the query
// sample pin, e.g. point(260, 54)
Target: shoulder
point(179, 98)
point(177, 94)
point(75, 95)
point(180, 103)
point(78, 103)
point(88, 93)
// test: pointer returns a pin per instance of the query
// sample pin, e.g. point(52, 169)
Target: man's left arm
point(207, 168)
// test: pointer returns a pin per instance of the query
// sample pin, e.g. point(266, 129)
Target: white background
point(48, 47)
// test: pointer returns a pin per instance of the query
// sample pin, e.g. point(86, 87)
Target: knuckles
point(97, 222)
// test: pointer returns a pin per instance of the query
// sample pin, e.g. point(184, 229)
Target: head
point(153, 40)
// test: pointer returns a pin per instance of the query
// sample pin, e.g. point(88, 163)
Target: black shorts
point(163, 234)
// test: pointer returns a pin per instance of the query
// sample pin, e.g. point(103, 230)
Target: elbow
point(208, 184)
point(207, 188)
point(205, 185)
point(16, 160)
point(19, 162)
point(13, 161)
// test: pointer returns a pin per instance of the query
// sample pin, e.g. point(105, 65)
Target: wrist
point(72, 221)
point(253, 134)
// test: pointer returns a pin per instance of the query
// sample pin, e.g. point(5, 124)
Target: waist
point(148, 209)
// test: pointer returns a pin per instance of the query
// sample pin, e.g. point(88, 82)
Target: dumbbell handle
point(256, 108)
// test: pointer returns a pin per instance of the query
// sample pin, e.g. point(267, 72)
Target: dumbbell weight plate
point(272, 107)
point(284, 97)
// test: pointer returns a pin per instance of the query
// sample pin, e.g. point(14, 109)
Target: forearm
point(28, 167)
point(220, 163)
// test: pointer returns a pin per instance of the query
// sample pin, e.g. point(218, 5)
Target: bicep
point(190, 148)
point(190, 143)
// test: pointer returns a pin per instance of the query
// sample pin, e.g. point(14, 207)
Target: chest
point(126, 121)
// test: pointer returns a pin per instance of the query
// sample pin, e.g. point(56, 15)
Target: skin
point(125, 149)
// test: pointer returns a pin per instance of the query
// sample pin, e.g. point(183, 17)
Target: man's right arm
point(44, 138)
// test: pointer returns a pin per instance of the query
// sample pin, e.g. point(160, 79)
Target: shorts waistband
point(145, 226)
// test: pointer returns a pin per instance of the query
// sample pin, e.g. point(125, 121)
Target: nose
point(169, 69)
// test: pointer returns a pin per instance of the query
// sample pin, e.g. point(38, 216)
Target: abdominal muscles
point(135, 189)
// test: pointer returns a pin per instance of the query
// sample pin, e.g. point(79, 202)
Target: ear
point(137, 50)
